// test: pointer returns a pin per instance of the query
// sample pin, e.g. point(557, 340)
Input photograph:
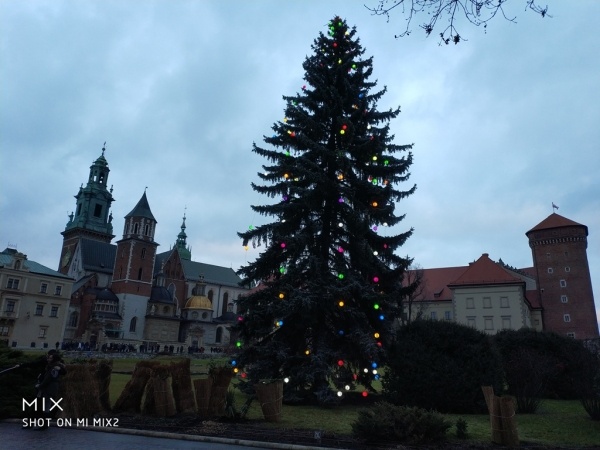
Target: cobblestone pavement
point(14, 436)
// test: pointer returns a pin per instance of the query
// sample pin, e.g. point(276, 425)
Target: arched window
point(132, 325)
point(73, 319)
point(136, 228)
point(140, 274)
point(210, 295)
point(147, 230)
point(219, 336)
point(225, 302)
point(143, 253)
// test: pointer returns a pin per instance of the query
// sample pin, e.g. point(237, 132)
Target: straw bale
point(79, 390)
point(130, 399)
point(270, 397)
point(158, 396)
point(182, 386)
point(203, 389)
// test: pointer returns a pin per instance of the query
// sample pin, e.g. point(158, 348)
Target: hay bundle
point(203, 389)
point(130, 399)
point(79, 390)
point(158, 396)
point(182, 386)
point(270, 397)
point(103, 374)
point(221, 377)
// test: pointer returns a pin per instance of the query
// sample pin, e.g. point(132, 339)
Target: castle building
point(129, 293)
point(554, 295)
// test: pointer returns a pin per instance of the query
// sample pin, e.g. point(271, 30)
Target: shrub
point(441, 365)
point(385, 422)
point(568, 365)
point(461, 428)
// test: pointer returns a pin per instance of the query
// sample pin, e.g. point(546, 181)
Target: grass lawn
point(557, 422)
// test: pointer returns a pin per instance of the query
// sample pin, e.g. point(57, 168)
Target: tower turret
point(559, 249)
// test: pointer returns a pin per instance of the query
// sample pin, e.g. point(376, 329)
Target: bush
point(461, 429)
point(442, 366)
point(18, 383)
point(568, 366)
point(385, 422)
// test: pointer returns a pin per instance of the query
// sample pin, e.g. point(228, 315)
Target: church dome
point(198, 302)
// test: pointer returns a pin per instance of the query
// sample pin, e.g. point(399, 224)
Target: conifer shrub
point(384, 422)
point(441, 365)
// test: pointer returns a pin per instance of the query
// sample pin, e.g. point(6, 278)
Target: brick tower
point(559, 248)
point(134, 267)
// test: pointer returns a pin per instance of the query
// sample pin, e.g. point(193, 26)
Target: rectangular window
point(97, 210)
point(489, 323)
point(39, 309)
point(10, 306)
point(504, 302)
point(563, 283)
point(43, 331)
point(54, 311)
point(4, 330)
point(447, 315)
point(550, 270)
point(567, 269)
point(564, 299)
point(44, 288)
point(433, 315)
point(13, 283)
point(471, 321)
point(470, 303)
point(58, 290)
point(487, 302)
point(571, 335)
point(506, 323)
point(567, 317)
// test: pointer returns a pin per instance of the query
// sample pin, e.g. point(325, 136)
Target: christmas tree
point(330, 280)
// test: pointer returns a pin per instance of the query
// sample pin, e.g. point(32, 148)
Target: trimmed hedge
point(441, 365)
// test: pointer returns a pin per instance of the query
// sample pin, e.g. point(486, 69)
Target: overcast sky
point(503, 124)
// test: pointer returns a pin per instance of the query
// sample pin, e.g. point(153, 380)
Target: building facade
point(34, 302)
point(554, 295)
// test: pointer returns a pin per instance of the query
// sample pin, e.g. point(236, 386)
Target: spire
point(181, 244)
point(142, 209)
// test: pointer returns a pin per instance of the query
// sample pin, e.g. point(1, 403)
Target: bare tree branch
point(477, 12)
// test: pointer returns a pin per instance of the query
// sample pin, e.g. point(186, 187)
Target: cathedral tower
point(559, 248)
point(92, 218)
point(134, 268)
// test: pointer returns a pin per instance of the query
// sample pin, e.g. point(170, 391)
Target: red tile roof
point(533, 296)
point(485, 271)
point(555, 221)
point(435, 283)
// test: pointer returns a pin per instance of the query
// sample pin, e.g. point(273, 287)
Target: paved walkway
point(13, 436)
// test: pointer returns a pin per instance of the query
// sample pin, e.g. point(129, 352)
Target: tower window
point(132, 325)
point(79, 209)
point(147, 230)
point(564, 299)
point(143, 253)
point(550, 270)
point(136, 228)
point(563, 283)
point(98, 210)
point(571, 335)
point(567, 317)
point(567, 269)
point(140, 274)
point(101, 179)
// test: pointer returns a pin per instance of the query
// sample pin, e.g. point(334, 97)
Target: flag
point(554, 206)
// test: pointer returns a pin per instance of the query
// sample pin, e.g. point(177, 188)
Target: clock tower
point(92, 218)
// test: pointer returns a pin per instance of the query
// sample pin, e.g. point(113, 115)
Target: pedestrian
point(48, 384)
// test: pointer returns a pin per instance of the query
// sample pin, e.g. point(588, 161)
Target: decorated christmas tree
point(329, 279)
